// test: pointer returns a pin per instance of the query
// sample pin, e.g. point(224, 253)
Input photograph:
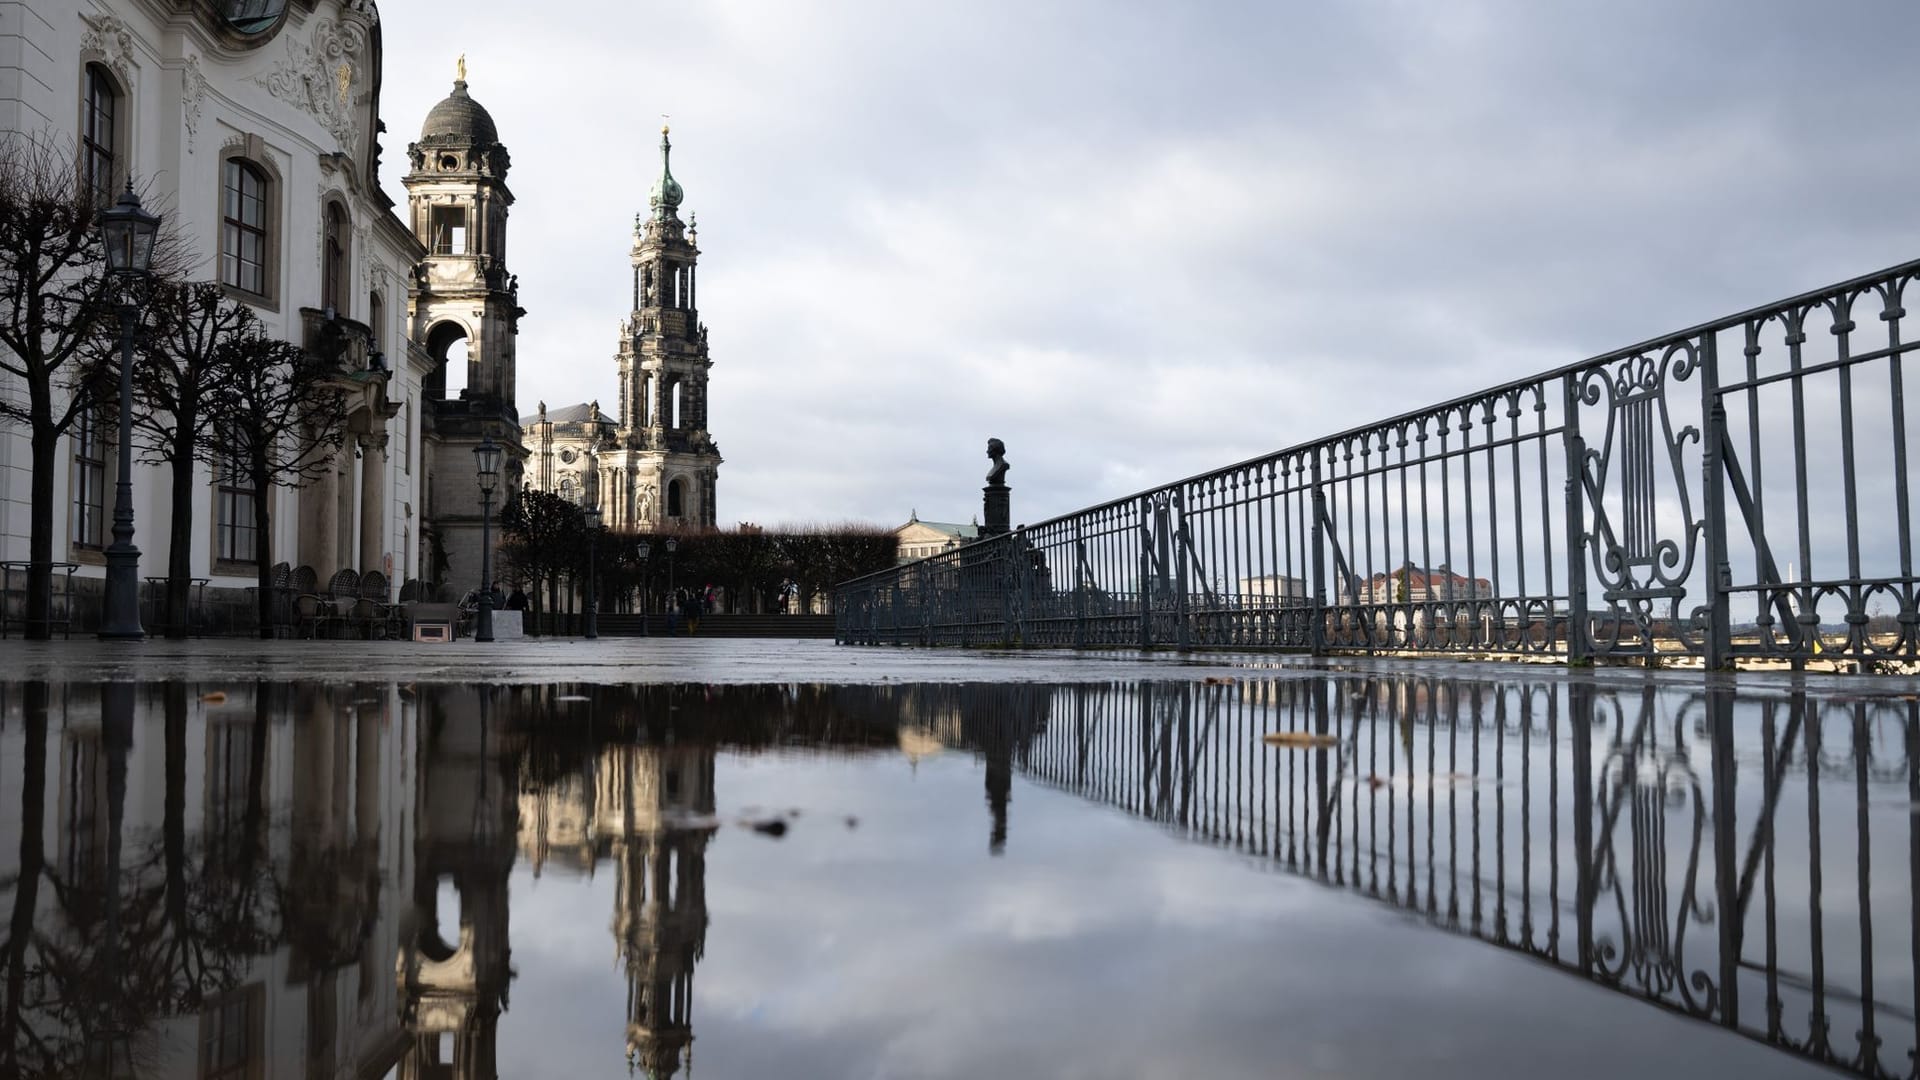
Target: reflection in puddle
point(280, 880)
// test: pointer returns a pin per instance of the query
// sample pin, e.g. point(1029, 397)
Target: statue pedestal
point(995, 521)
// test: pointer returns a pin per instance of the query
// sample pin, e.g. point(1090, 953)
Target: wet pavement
point(332, 859)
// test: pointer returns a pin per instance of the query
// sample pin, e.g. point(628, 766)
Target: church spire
point(666, 193)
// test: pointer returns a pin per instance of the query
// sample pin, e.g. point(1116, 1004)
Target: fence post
point(1079, 586)
point(1146, 572)
point(1580, 731)
point(1317, 627)
point(1182, 632)
point(1022, 559)
point(1578, 651)
point(1719, 652)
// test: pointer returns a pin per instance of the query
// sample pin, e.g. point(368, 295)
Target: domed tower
point(664, 469)
point(458, 200)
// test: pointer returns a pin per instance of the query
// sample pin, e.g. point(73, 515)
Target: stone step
point(741, 626)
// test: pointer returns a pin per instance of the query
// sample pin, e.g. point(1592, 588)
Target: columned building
point(657, 466)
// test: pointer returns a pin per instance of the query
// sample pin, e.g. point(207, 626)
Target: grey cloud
point(1138, 242)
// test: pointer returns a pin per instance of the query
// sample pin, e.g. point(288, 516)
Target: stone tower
point(657, 804)
point(663, 468)
point(458, 200)
point(454, 967)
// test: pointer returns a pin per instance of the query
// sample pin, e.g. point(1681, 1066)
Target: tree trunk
point(26, 895)
point(174, 818)
point(40, 533)
point(262, 544)
point(180, 531)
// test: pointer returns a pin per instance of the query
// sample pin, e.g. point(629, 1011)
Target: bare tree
point(186, 366)
point(57, 322)
point(52, 297)
point(283, 417)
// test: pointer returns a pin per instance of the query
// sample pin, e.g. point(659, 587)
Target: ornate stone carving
point(193, 91)
point(108, 37)
point(363, 253)
point(319, 77)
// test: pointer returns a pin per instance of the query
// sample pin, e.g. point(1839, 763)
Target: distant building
point(1417, 585)
point(563, 451)
point(920, 539)
point(1273, 590)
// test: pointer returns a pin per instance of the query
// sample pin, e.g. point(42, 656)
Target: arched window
point(377, 324)
point(675, 497)
point(679, 397)
point(243, 231)
point(100, 124)
point(333, 282)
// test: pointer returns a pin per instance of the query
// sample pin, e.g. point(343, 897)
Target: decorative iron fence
point(1736, 490)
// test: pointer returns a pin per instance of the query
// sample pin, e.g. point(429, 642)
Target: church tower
point(458, 200)
point(656, 802)
point(664, 466)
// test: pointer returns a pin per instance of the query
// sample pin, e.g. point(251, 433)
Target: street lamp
point(486, 460)
point(127, 233)
point(641, 550)
point(672, 543)
point(592, 516)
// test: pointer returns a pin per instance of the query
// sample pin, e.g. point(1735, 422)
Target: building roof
point(958, 532)
point(459, 118)
point(569, 414)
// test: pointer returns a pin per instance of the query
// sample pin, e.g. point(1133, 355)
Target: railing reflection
point(1669, 845)
point(342, 855)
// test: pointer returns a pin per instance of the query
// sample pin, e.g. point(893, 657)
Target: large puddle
point(1459, 876)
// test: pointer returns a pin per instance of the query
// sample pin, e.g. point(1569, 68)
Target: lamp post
point(127, 232)
point(592, 516)
point(641, 550)
point(672, 543)
point(486, 459)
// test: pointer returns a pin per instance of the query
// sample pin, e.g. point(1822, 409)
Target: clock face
point(252, 16)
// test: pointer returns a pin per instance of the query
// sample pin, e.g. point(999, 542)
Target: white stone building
point(253, 127)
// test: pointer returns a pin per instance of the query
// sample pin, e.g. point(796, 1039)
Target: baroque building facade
point(655, 464)
point(253, 127)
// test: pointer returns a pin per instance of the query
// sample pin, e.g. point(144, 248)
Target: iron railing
point(1738, 490)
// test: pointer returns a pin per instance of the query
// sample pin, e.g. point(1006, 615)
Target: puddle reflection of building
point(211, 903)
point(647, 808)
point(466, 821)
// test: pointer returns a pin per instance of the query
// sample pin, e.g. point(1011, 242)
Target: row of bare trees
point(545, 549)
point(212, 386)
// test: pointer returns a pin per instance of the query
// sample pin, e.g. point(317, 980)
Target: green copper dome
point(666, 193)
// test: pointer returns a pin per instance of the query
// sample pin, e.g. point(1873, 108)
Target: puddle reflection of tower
point(466, 811)
point(655, 803)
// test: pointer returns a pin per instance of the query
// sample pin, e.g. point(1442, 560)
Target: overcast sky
point(1136, 241)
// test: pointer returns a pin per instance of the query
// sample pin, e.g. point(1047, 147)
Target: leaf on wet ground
point(1299, 740)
